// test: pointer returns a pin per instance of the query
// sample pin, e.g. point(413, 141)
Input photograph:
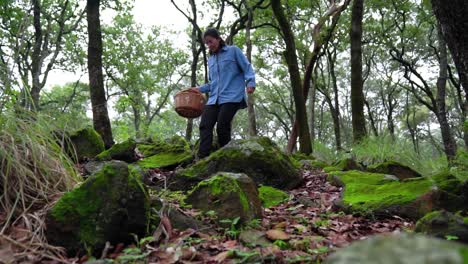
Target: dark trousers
point(222, 116)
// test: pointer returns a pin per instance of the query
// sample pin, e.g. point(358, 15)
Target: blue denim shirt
point(229, 73)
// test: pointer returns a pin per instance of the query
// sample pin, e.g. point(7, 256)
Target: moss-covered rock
point(124, 151)
point(259, 158)
point(394, 168)
point(109, 206)
point(401, 248)
point(374, 194)
point(230, 195)
point(347, 164)
point(87, 143)
point(271, 196)
point(165, 154)
point(442, 224)
point(301, 156)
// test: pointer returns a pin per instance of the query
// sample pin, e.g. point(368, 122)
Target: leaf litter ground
point(304, 229)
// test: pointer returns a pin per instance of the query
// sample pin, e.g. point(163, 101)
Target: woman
point(229, 74)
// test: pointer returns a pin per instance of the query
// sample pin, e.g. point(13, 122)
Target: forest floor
point(305, 229)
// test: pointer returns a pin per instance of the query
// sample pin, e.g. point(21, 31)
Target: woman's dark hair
point(213, 32)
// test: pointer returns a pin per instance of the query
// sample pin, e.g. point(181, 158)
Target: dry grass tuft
point(34, 172)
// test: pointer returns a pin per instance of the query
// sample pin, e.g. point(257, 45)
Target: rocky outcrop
point(259, 158)
point(401, 171)
point(374, 194)
point(443, 224)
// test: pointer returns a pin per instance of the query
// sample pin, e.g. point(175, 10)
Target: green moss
point(271, 196)
point(259, 158)
point(319, 164)
point(331, 169)
point(165, 153)
point(83, 205)
point(301, 156)
point(370, 191)
point(464, 254)
point(446, 181)
point(175, 144)
point(221, 184)
point(164, 160)
point(87, 143)
point(117, 149)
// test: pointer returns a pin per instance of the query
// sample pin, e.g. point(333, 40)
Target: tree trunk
point(357, 95)
point(101, 120)
point(453, 19)
point(312, 95)
point(250, 97)
point(447, 138)
point(295, 77)
point(335, 109)
point(371, 118)
point(36, 59)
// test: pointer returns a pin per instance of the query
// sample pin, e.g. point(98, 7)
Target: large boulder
point(259, 158)
point(230, 195)
point(443, 224)
point(402, 249)
point(86, 143)
point(111, 205)
point(394, 168)
point(124, 151)
point(164, 153)
point(377, 194)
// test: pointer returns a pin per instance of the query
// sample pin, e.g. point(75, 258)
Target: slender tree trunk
point(335, 109)
point(357, 95)
point(408, 125)
point(36, 58)
point(295, 77)
point(101, 120)
point(371, 119)
point(447, 138)
point(312, 95)
point(250, 97)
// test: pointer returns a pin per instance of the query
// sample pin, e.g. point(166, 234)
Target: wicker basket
point(189, 103)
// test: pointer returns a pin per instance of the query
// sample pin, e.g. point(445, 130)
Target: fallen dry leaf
point(275, 234)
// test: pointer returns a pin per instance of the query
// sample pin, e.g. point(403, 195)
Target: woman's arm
point(246, 66)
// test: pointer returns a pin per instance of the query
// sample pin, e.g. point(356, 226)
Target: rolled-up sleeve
point(246, 66)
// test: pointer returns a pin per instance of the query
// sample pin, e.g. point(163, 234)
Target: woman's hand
point(250, 90)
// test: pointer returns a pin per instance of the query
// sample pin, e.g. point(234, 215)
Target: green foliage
point(141, 68)
point(66, 105)
point(34, 167)
point(233, 230)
